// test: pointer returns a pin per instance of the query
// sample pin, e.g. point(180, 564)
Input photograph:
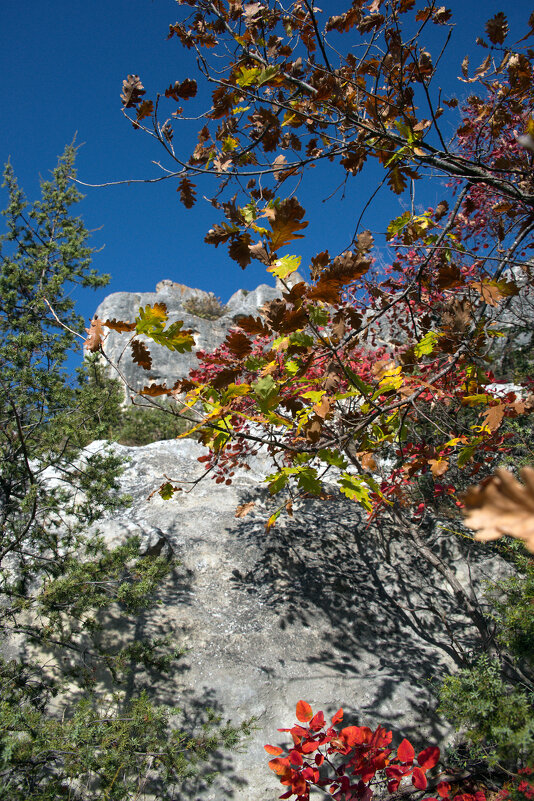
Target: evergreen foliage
point(61, 734)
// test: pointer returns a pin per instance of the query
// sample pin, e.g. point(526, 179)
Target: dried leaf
point(182, 91)
point(132, 91)
point(497, 28)
point(154, 390)
point(365, 241)
point(253, 325)
point(141, 354)
point(238, 343)
point(438, 466)
point(242, 511)
point(187, 194)
point(95, 335)
point(239, 249)
point(285, 220)
point(493, 416)
point(501, 505)
point(119, 325)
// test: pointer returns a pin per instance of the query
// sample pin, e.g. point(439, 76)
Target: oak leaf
point(132, 91)
point(238, 343)
point(95, 335)
point(119, 325)
point(141, 354)
point(286, 221)
point(154, 390)
point(187, 194)
point(497, 28)
point(239, 249)
point(501, 505)
point(242, 511)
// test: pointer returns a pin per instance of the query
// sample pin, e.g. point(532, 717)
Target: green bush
point(140, 425)
point(498, 717)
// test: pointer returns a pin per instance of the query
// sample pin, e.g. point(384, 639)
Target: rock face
point(168, 366)
point(310, 610)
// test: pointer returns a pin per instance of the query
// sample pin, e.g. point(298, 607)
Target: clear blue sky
point(62, 66)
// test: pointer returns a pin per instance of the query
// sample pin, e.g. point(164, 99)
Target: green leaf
point(277, 481)
point(427, 344)
point(356, 381)
point(248, 76)
point(166, 491)
point(319, 315)
point(174, 338)
point(314, 395)
point(466, 454)
point(266, 391)
point(334, 458)
point(285, 266)
point(267, 74)
point(355, 488)
point(397, 225)
point(308, 481)
point(151, 318)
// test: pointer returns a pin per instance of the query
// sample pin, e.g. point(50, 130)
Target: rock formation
point(313, 610)
point(209, 333)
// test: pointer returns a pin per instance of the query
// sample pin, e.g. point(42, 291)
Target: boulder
point(168, 366)
point(324, 607)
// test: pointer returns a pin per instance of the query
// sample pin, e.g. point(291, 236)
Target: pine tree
point(55, 576)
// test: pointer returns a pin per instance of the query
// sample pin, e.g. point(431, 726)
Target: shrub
point(209, 308)
point(140, 425)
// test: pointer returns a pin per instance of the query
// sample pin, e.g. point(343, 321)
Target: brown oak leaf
point(244, 509)
point(132, 91)
point(119, 325)
point(501, 505)
point(141, 354)
point(95, 335)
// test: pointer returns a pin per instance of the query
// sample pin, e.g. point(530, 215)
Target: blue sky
point(62, 65)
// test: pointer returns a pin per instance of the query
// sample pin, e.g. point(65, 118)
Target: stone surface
point(309, 610)
point(168, 366)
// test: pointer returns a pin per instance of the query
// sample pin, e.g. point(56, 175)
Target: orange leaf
point(274, 750)
point(438, 466)
point(338, 717)
point(95, 336)
point(493, 416)
point(304, 712)
point(280, 766)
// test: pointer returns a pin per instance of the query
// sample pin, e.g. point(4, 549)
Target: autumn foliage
point(347, 761)
point(382, 370)
point(361, 364)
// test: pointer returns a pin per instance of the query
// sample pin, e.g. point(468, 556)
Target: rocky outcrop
point(168, 366)
point(323, 608)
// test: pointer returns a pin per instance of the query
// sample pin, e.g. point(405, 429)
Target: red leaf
point(319, 759)
point(429, 757)
point(405, 751)
point(317, 722)
point(304, 712)
point(338, 717)
point(444, 789)
point(310, 746)
point(280, 766)
point(295, 758)
point(419, 779)
point(274, 750)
